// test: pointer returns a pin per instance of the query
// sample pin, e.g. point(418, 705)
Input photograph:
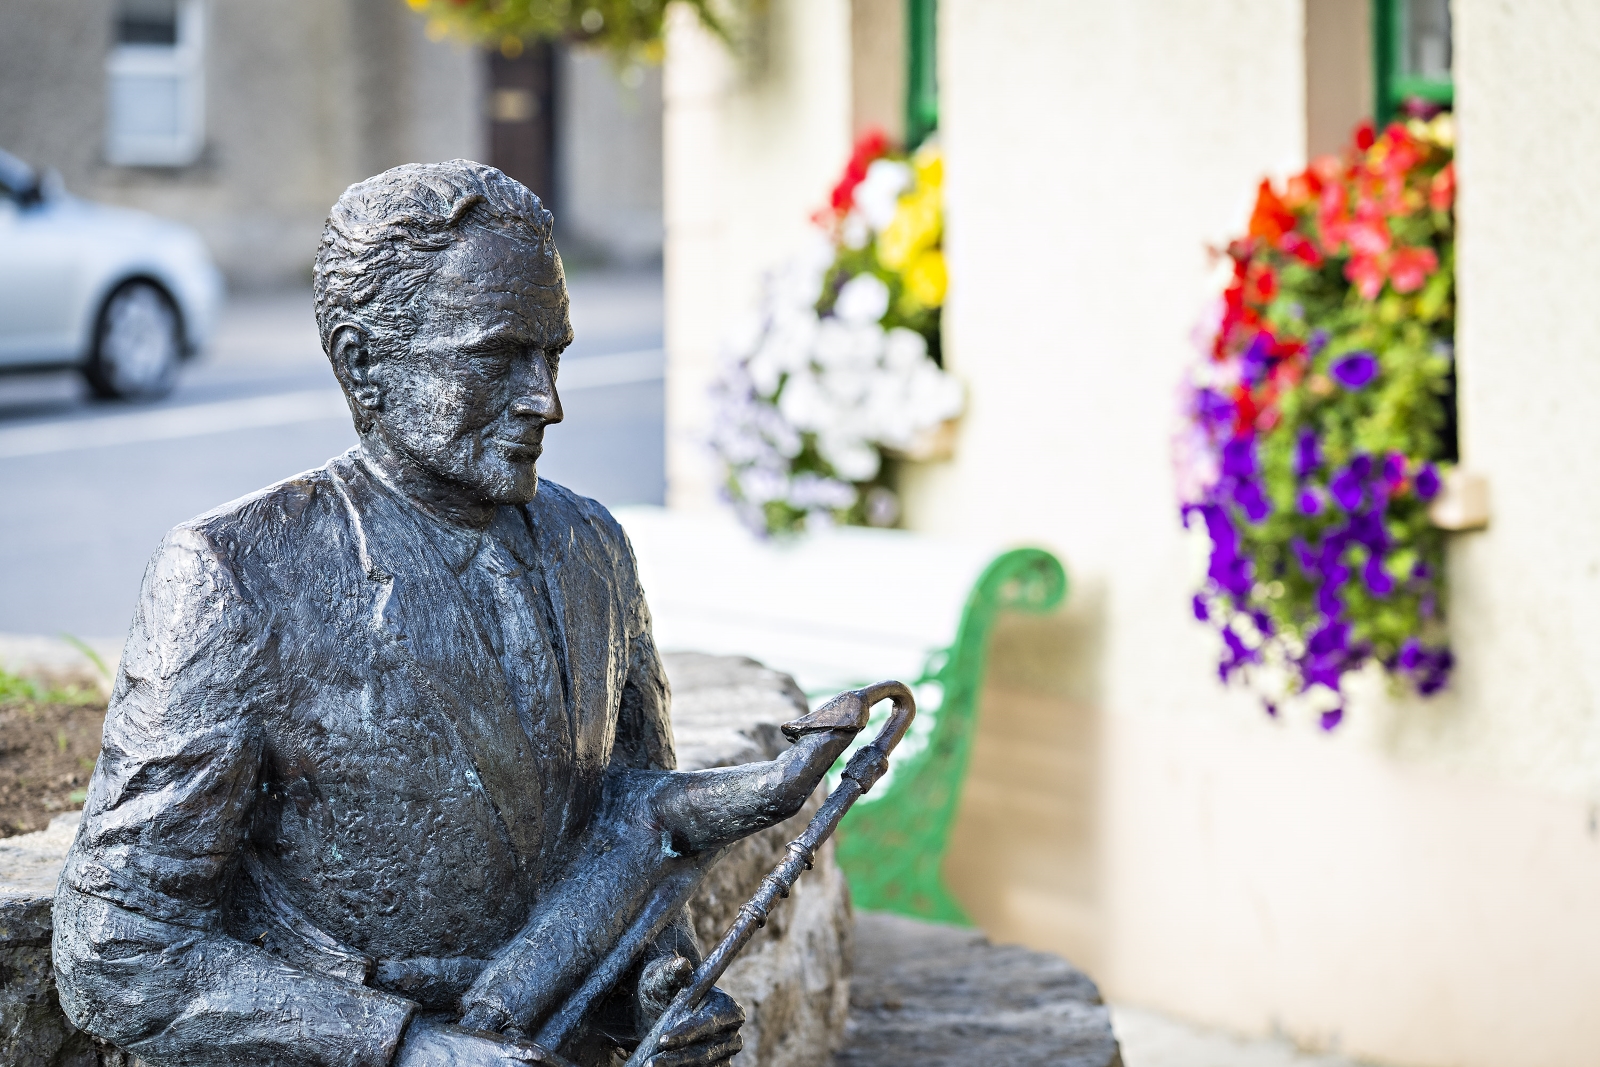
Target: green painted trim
point(1385, 57)
point(892, 849)
point(1391, 88)
point(922, 70)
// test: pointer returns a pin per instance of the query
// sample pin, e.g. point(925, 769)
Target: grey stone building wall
point(608, 162)
point(303, 97)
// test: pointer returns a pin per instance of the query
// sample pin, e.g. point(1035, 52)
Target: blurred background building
point(247, 120)
point(1420, 887)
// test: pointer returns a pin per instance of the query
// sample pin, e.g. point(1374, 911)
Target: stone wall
point(792, 980)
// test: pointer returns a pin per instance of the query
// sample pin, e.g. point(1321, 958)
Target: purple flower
point(1257, 359)
point(1212, 409)
point(1331, 637)
point(1238, 654)
point(1307, 456)
point(1302, 551)
point(1310, 502)
point(1248, 496)
point(1201, 612)
point(1317, 341)
point(1346, 489)
point(1411, 655)
point(1366, 527)
point(1271, 708)
point(1355, 370)
point(1331, 719)
point(1394, 469)
point(1428, 481)
point(1377, 579)
point(1239, 457)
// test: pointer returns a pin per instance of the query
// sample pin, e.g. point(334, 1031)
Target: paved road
point(87, 489)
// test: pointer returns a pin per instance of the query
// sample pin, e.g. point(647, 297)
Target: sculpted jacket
point(316, 809)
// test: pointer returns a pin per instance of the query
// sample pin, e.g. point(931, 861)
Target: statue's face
point(470, 401)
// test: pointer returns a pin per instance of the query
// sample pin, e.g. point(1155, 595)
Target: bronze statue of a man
point(366, 716)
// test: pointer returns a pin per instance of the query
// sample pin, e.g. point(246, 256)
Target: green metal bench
point(840, 610)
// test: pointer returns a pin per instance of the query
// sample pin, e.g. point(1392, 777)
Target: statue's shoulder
point(290, 521)
point(560, 507)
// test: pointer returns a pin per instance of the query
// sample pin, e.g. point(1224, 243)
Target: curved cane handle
point(871, 762)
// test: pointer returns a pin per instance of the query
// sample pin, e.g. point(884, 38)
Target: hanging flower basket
point(631, 31)
point(1316, 420)
point(840, 369)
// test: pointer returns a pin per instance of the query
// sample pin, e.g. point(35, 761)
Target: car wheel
point(138, 343)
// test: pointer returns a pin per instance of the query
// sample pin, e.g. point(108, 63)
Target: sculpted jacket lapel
point(583, 601)
point(421, 613)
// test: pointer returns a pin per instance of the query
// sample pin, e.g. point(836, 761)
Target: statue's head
point(443, 308)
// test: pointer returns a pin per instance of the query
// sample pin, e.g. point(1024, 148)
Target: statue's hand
point(434, 1044)
point(707, 1038)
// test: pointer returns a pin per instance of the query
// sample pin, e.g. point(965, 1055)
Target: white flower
point(761, 484)
point(854, 232)
point(809, 490)
point(863, 299)
point(804, 403)
point(880, 191)
point(933, 396)
point(903, 349)
point(854, 459)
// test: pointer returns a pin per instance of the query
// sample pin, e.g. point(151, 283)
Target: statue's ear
point(350, 351)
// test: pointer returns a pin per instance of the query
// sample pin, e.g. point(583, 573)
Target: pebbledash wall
point(1421, 887)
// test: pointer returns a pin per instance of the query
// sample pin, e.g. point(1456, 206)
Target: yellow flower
point(417, 5)
point(926, 278)
point(928, 165)
point(916, 225)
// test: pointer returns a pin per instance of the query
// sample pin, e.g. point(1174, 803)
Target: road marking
point(279, 409)
point(615, 368)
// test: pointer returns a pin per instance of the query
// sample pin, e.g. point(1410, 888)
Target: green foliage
point(630, 31)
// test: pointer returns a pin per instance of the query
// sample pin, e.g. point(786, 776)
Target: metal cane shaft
point(865, 768)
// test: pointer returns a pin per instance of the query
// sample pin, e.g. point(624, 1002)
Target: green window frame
point(922, 70)
point(1395, 56)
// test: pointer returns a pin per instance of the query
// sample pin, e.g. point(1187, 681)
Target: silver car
point(121, 295)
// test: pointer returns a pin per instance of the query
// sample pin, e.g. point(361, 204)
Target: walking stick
point(864, 769)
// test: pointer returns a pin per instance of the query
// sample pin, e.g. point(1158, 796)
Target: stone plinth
point(792, 980)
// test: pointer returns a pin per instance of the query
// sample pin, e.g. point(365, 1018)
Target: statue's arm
point(141, 956)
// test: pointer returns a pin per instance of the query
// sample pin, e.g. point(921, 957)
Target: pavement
point(87, 489)
point(1151, 1039)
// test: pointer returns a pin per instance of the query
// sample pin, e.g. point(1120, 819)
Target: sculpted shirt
point(348, 746)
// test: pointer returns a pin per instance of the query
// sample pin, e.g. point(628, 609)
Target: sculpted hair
point(381, 243)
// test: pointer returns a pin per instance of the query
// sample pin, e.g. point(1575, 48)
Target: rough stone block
point(928, 995)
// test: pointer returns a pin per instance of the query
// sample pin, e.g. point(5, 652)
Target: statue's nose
point(537, 398)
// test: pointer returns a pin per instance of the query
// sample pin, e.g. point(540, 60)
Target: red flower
point(1365, 135)
point(872, 145)
point(1245, 410)
point(1367, 274)
point(1442, 189)
point(1301, 248)
point(1410, 267)
point(1271, 219)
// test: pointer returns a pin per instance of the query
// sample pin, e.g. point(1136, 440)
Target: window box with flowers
point(838, 375)
point(1316, 424)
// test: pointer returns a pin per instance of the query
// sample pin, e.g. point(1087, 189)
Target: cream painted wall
point(752, 149)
